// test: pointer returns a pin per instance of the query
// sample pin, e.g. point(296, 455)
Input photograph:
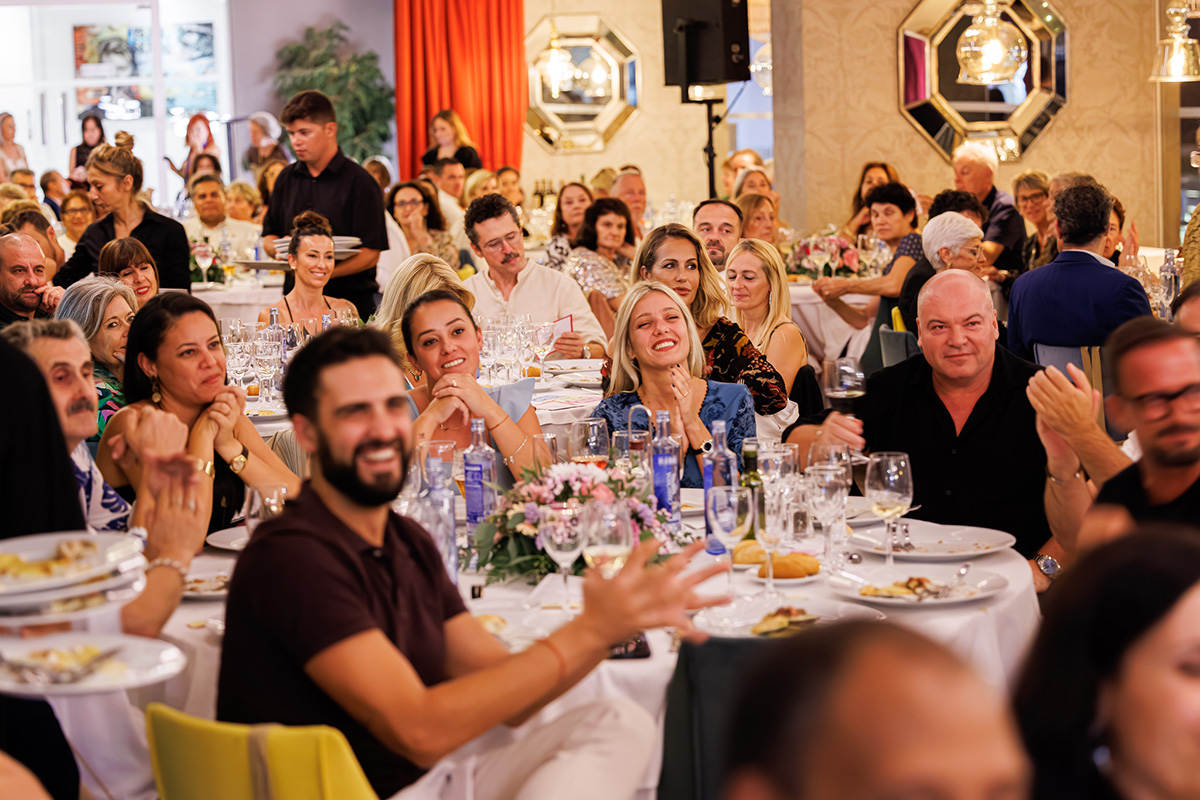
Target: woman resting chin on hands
point(443, 341)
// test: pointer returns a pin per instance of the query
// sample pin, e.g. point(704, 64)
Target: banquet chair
point(1090, 359)
point(196, 759)
point(897, 346)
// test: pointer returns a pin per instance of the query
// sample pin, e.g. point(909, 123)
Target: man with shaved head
point(960, 411)
point(867, 710)
point(630, 189)
point(24, 293)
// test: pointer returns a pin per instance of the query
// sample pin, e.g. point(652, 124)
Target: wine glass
point(772, 533)
point(204, 260)
point(609, 537)
point(831, 453)
point(266, 357)
point(844, 382)
point(817, 254)
point(439, 449)
point(237, 361)
point(730, 511)
point(487, 355)
point(265, 502)
point(543, 342)
point(827, 487)
point(890, 490)
point(232, 330)
point(589, 442)
point(563, 540)
point(545, 450)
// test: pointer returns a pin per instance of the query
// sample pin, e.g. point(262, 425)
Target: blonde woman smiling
point(762, 307)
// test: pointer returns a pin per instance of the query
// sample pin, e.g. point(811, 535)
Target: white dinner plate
point(582, 381)
point(787, 581)
point(141, 662)
point(692, 501)
point(234, 539)
point(574, 365)
point(116, 592)
point(112, 549)
point(265, 264)
point(262, 416)
point(933, 542)
point(977, 586)
point(206, 586)
point(125, 573)
point(341, 255)
point(750, 614)
point(860, 509)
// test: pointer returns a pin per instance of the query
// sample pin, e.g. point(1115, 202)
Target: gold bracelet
point(509, 461)
point(207, 468)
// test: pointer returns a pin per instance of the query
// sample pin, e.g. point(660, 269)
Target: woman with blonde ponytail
point(114, 177)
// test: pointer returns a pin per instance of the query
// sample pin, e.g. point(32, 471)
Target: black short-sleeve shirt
point(346, 195)
point(465, 155)
point(992, 474)
point(306, 582)
point(1126, 489)
point(164, 238)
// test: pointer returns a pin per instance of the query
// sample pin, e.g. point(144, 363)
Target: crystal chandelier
point(1177, 58)
point(990, 50)
point(554, 66)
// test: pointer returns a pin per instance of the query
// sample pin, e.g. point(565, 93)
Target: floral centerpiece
point(839, 254)
point(507, 541)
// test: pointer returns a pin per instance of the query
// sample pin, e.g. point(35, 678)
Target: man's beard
point(717, 260)
point(1174, 458)
point(17, 301)
point(344, 476)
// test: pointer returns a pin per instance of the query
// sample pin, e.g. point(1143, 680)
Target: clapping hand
point(147, 430)
point(175, 523)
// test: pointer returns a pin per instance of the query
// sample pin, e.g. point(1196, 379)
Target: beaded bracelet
point(169, 562)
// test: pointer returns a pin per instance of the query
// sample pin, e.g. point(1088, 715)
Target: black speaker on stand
point(706, 42)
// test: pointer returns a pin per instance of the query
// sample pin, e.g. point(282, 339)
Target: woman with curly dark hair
point(415, 208)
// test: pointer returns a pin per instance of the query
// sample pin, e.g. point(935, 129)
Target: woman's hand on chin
point(224, 411)
point(443, 414)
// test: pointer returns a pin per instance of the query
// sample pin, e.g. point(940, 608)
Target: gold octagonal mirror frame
point(1007, 117)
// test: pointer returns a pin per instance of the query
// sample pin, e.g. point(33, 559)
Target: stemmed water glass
point(265, 502)
point(487, 354)
point(589, 442)
point(542, 338)
point(833, 454)
point(237, 361)
point(890, 490)
point(868, 250)
point(817, 254)
point(827, 488)
point(609, 537)
point(730, 511)
point(266, 357)
point(563, 539)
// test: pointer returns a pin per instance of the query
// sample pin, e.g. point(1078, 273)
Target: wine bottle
point(752, 480)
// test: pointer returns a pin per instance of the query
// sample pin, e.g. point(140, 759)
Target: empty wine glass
point(237, 361)
point(831, 453)
point(542, 339)
point(589, 442)
point(890, 490)
point(563, 540)
point(609, 537)
point(266, 357)
point(265, 502)
point(826, 488)
point(730, 512)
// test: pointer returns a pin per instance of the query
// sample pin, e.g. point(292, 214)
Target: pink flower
point(603, 494)
point(850, 259)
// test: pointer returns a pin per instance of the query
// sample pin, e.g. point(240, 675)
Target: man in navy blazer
point(1079, 298)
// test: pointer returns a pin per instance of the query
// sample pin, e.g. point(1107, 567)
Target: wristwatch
point(1048, 565)
point(239, 461)
point(587, 351)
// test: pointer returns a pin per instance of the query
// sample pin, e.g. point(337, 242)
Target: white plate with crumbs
point(141, 661)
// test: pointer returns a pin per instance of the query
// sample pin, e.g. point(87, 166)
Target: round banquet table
point(827, 334)
point(241, 301)
point(992, 634)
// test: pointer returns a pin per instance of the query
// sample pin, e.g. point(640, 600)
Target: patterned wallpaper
point(836, 106)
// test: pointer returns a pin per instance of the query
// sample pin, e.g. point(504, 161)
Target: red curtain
point(468, 55)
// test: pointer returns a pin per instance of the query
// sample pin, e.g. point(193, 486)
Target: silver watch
point(1048, 565)
point(587, 351)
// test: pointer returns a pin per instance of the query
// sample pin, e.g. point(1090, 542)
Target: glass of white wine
point(890, 491)
point(542, 341)
point(609, 537)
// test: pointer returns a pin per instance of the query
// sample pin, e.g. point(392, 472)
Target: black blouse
point(163, 237)
point(465, 155)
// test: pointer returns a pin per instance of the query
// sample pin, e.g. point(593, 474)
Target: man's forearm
point(363, 260)
point(1067, 499)
point(1099, 454)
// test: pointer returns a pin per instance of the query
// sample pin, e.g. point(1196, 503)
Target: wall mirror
point(1006, 116)
point(583, 82)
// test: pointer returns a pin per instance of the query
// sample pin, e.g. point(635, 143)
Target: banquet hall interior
point(523, 399)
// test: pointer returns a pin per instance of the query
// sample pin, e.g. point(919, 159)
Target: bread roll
point(793, 565)
point(748, 551)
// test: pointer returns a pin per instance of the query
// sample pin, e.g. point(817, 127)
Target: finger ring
point(191, 505)
point(454, 383)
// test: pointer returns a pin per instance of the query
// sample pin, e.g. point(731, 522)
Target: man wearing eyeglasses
point(1078, 299)
point(1155, 369)
point(508, 285)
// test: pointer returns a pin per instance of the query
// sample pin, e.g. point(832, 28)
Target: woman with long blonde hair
point(673, 255)
point(658, 362)
point(417, 275)
point(448, 138)
point(762, 306)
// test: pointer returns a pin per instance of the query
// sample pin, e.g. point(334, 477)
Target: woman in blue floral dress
point(657, 363)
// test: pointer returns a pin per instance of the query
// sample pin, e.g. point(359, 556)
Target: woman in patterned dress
point(415, 208)
point(602, 272)
point(573, 200)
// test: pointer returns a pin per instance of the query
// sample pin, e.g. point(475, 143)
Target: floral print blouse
point(731, 358)
point(111, 395)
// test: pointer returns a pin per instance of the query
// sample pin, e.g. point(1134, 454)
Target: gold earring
point(156, 394)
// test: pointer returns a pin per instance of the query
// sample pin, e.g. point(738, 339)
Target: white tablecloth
point(237, 302)
point(827, 334)
point(991, 634)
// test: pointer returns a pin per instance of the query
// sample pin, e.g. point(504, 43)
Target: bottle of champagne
point(752, 480)
point(720, 469)
point(665, 460)
point(479, 470)
point(435, 512)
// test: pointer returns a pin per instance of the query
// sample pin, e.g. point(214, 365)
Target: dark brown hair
point(434, 219)
point(309, 105)
point(121, 254)
point(308, 223)
point(1136, 333)
point(559, 226)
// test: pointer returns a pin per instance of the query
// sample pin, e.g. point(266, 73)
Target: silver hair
point(622, 176)
point(950, 229)
point(979, 153)
point(86, 301)
point(23, 334)
point(935, 283)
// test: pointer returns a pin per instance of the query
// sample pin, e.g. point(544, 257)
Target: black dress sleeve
point(467, 156)
point(173, 272)
point(85, 259)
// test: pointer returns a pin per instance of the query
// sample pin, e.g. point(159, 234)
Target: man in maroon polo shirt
point(341, 613)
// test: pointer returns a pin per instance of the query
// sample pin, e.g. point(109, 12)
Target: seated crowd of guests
point(364, 630)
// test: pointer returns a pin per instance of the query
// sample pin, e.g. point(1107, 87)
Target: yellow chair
point(897, 320)
point(195, 759)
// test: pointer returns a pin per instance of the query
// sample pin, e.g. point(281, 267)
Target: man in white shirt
point(450, 177)
point(212, 223)
point(508, 284)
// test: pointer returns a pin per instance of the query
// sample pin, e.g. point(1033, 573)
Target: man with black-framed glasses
point(1155, 369)
point(508, 285)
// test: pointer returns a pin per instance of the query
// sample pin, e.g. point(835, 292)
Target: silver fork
point(907, 545)
point(951, 585)
point(38, 674)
